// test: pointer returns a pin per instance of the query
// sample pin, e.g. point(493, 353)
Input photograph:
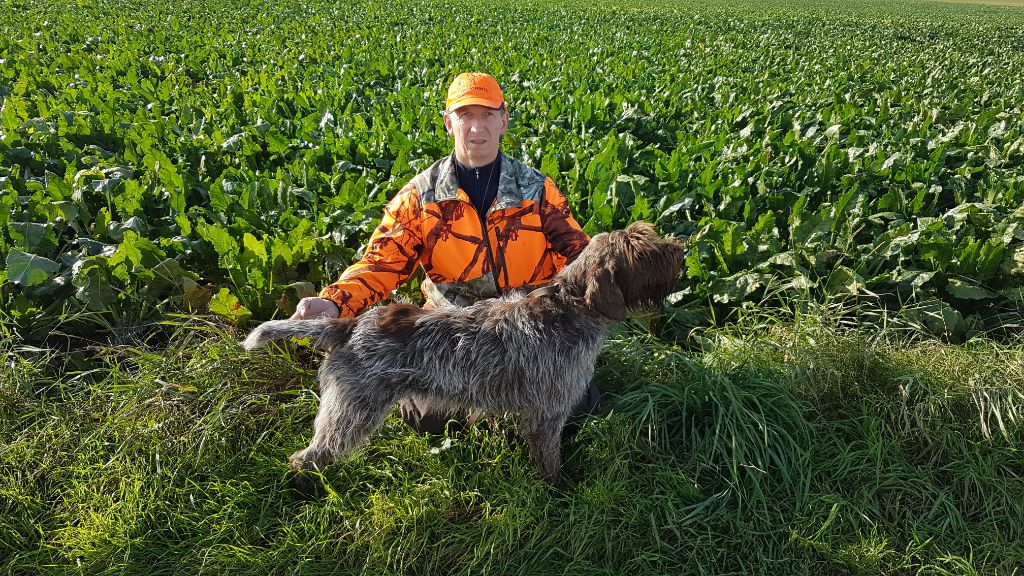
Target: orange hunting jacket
point(530, 236)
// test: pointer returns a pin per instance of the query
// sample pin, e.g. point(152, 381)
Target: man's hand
point(313, 307)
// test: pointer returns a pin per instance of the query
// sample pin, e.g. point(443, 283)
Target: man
point(478, 222)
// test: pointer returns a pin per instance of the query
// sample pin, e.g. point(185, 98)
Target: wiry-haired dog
point(533, 355)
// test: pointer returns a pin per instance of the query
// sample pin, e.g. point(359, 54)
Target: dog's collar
point(548, 290)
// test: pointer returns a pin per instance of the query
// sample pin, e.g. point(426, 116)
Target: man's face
point(477, 131)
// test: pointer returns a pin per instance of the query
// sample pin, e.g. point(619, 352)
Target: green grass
point(772, 447)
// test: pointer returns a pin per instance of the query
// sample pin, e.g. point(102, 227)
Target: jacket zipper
point(487, 240)
point(490, 255)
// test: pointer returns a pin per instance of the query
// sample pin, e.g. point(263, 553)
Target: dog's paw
point(306, 483)
point(298, 463)
point(305, 475)
point(307, 459)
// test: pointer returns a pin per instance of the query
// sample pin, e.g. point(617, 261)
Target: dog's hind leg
point(343, 422)
point(543, 438)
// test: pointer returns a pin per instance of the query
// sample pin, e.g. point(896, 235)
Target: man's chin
point(478, 157)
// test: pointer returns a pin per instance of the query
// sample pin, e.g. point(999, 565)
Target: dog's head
point(629, 269)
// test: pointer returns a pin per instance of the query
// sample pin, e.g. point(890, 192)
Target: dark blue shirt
point(480, 183)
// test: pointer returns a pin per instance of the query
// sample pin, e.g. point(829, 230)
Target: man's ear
point(448, 123)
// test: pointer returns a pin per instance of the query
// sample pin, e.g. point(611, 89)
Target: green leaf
point(29, 269)
point(843, 280)
point(890, 162)
point(219, 200)
point(914, 279)
point(943, 320)
point(234, 143)
point(737, 287)
point(549, 165)
point(979, 259)
point(641, 209)
point(227, 305)
point(966, 290)
point(94, 284)
point(222, 242)
point(255, 246)
point(129, 200)
point(277, 143)
point(810, 228)
point(183, 224)
point(303, 289)
point(764, 236)
point(56, 187)
point(936, 251)
point(694, 267)
point(169, 273)
point(281, 250)
point(177, 200)
point(1013, 262)
point(1015, 295)
point(32, 235)
point(128, 250)
point(8, 198)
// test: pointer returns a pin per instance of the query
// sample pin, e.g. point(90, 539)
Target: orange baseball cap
point(474, 88)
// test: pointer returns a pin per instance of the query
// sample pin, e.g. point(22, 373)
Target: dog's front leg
point(543, 438)
point(342, 423)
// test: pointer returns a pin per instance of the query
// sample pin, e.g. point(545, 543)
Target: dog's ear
point(604, 297)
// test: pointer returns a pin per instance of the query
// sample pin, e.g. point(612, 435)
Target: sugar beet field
point(836, 387)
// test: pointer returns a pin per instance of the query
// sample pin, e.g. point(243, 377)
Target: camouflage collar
point(447, 183)
point(515, 177)
point(509, 193)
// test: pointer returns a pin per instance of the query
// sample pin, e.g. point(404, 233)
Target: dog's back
point(505, 354)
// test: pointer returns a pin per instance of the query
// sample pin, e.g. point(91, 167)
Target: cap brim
point(495, 104)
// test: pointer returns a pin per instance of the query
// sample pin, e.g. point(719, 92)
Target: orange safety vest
point(530, 236)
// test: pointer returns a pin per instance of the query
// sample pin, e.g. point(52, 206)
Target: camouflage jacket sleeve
point(390, 259)
point(565, 236)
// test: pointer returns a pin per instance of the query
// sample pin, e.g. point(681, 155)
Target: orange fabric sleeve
point(565, 236)
point(391, 257)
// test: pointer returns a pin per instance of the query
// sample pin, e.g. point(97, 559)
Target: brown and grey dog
point(533, 355)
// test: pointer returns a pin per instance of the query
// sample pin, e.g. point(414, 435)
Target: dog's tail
point(324, 334)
